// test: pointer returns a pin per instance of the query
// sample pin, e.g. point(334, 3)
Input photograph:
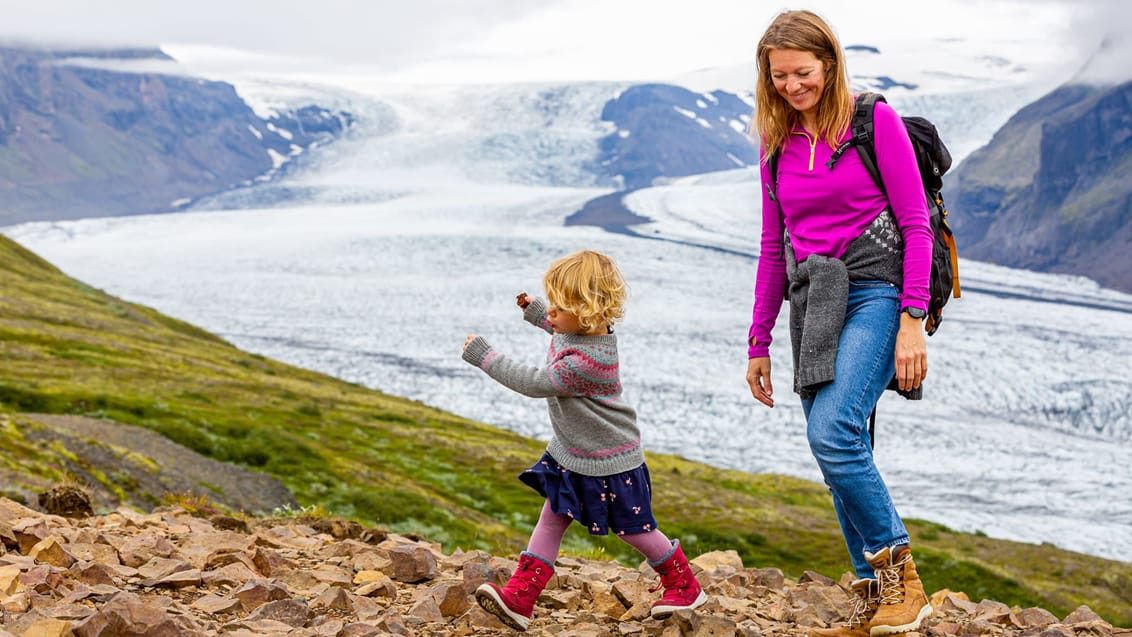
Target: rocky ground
point(172, 572)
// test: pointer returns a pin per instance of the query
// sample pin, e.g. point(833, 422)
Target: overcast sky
point(515, 40)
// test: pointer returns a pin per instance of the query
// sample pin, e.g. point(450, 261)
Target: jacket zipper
point(813, 145)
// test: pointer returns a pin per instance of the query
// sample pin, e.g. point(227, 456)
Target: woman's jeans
point(836, 422)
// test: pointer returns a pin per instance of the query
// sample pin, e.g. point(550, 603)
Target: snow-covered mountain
point(374, 262)
point(88, 133)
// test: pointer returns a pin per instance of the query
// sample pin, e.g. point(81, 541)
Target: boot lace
point(530, 576)
point(890, 579)
point(861, 612)
point(671, 580)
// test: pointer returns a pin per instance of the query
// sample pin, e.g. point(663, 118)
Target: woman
point(857, 261)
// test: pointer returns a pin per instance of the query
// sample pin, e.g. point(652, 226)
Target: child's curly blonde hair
point(588, 285)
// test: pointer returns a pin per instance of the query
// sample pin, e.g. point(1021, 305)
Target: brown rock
point(958, 602)
point(257, 592)
point(816, 578)
point(358, 629)
point(606, 603)
point(48, 628)
point(233, 574)
point(16, 603)
point(293, 612)
point(268, 561)
point(451, 598)
point(228, 523)
point(94, 552)
point(992, 611)
point(130, 614)
point(374, 583)
point(50, 550)
point(830, 603)
point(946, 628)
point(427, 609)
point(632, 592)
point(713, 561)
point(411, 564)
point(180, 579)
point(69, 611)
point(89, 573)
point(695, 624)
point(478, 571)
point(9, 580)
point(980, 627)
point(214, 604)
point(28, 532)
point(1033, 617)
point(143, 547)
point(336, 598)
point(394, 623)
point(332, 576)
point(771, 578)
point(161, 566)
point(1081, 614)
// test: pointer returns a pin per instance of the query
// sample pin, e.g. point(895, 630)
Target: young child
point(593, 470)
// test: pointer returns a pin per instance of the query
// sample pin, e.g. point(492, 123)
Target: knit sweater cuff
point(535, 313)
point(476, 352)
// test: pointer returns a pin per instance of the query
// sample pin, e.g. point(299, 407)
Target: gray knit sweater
point(819, 292)
point(595, 430)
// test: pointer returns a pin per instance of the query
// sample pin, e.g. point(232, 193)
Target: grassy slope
point(68, 348)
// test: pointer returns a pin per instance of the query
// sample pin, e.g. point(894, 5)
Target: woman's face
point(799, 77)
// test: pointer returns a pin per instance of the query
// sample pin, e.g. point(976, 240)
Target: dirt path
point(146, 466)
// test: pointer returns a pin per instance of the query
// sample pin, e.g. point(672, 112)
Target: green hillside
point(404, 466)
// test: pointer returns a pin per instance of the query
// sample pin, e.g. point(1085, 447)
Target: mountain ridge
point(1049, 191)
point(80, 140)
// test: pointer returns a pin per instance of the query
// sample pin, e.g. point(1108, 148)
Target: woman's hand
point(471, 337)
point(911, 353)
point(758, 377)
point(522, 300)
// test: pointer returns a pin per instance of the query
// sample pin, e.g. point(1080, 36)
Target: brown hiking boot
point(903, 604)
point(866, 598)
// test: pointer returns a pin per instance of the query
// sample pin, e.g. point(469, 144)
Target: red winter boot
point(515, 603)
point(681, 589)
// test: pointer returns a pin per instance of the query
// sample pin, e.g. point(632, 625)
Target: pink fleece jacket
point(825, 210)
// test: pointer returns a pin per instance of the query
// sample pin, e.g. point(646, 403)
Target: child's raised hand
point(471, 337)
point(522, 300)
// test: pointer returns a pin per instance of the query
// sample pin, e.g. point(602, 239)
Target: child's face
point(562, 321)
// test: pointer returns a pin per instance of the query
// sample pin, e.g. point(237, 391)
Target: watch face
point(915, 312)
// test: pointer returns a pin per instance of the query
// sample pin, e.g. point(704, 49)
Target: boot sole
point(488, 600)
point(875, 631)
point(660, 612)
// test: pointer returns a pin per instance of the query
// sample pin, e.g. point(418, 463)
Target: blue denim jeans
point(837, 422)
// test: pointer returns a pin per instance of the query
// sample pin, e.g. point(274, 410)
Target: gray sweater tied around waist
point(819, 296)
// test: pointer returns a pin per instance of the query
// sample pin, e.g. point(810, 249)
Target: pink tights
point(546, 539)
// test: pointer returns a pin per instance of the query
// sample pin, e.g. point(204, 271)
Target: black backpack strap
point(873, 428)
point(863, 138)
point(772, 166)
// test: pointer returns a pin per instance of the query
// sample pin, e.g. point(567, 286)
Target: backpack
point(934, 160)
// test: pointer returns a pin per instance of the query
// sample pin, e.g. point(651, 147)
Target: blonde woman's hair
point(773, 117)
point(588, 285)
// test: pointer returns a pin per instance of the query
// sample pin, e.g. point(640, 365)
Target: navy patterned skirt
point(621, 503)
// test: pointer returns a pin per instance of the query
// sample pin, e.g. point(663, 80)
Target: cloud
point(521, 40)
point(1107, 24)
point(379, 34)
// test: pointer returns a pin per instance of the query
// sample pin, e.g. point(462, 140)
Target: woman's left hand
point(911, 353)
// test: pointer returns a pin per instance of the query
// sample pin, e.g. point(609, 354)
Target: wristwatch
point(915, 312)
